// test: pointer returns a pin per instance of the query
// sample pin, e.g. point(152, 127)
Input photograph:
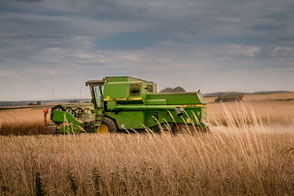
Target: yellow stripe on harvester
point(135, 98)
point(193, 105)
point(122, 99)
point(140, 98)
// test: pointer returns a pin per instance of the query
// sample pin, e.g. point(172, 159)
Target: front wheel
point(108, 126)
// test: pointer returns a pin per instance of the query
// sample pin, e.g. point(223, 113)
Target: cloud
point(9, 75)
point(283, 51)
point(29, 0)
point(205, 44)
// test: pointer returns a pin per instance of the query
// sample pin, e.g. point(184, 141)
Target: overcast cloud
point(212, 45)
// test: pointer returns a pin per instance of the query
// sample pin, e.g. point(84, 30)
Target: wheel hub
point(103, 129)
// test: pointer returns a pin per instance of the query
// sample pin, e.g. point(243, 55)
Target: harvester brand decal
point(119, 99)
point(122, 99)
point(193, 105)
point(135, 98)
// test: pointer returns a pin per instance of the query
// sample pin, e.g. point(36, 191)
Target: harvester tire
point(110, 123)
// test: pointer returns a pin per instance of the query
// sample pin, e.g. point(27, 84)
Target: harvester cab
point(126, 103)
point(96, 89)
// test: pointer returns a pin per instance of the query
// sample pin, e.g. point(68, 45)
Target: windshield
point(97, 94)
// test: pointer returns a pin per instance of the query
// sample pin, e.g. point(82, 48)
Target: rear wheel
point(108, 126)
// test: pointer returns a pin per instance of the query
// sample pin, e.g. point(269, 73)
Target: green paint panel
point(116, 90)
point(178, 98)
point(69, 124)
point(128, 120)
point(62, 116)
point(156, 102)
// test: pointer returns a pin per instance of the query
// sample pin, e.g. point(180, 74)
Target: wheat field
point(227, 161)
point(248, 151)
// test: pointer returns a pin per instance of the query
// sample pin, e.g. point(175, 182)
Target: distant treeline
point(258, 92)
point(173, 90)
point(33, 102)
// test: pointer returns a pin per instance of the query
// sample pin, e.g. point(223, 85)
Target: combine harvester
point(128, 104)
point(229, 97)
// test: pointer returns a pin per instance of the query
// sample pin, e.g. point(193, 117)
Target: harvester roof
point(123, 79)
point(93, 82)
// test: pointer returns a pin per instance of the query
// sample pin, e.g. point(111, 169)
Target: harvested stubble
point(23, 129)
point(229, 160)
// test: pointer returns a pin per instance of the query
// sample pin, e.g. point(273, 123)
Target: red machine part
point(45, 111)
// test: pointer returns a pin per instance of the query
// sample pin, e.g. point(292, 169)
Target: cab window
point(97, 95)
point(150, 88)
point(135, 89)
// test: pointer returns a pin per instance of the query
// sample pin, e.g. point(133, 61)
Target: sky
point(211, 45)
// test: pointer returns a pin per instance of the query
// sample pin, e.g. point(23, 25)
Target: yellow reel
point(103, 129)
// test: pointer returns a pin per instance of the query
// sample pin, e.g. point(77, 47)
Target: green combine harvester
point(229, 97)
point(126, 104)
